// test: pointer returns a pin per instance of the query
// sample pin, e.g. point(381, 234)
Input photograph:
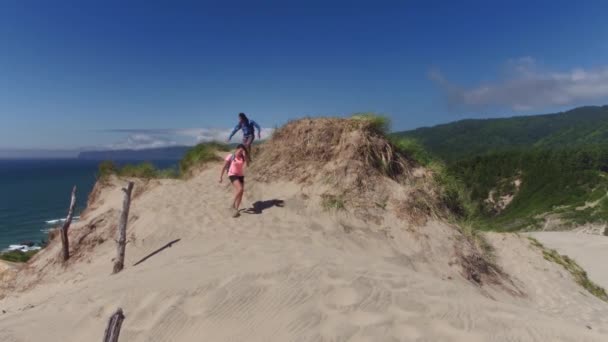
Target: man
point(248, 127)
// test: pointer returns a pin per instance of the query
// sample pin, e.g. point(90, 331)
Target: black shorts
point(239, 178)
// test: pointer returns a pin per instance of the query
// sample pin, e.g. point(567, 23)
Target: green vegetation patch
point(380, 123)
point(18, 256)
point(578, 273)
point(332, 202)
point(201, 154)
point(412, 148)
point(143, 170)
point(197, 155)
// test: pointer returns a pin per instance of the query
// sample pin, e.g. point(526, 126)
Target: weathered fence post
point(66, 225)
point(122, 229)
point(113, 329)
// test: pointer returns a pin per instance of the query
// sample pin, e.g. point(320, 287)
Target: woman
point(248, 127)
point(235, 166)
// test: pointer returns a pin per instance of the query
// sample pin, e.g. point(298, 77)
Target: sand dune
point(290, 273)
point(386, 268)
point(590, 251)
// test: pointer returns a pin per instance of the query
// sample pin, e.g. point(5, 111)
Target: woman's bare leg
point(238, 188)
point(239, 195)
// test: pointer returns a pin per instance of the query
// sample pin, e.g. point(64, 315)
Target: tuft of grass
point(453, 193)
point(381, 123)
point(18, 256)
point(106, 168)
point(144, 170)
point(382, 204)
point(411, 148)
point(197, 155)
point(201, 154)
point(417, 208)
point(168, 173)
point(578, 273)
point(332, 202)
point(476, 237)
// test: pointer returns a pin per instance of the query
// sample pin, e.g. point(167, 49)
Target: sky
point(135, 74)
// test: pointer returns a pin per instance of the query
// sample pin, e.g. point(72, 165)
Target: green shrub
point(106, 168)
point(18, 256)
point(200, 154)
point(381, 123)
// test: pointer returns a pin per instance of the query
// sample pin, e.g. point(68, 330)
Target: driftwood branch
point(113, 329)
point(66, 226)
point(122, 229)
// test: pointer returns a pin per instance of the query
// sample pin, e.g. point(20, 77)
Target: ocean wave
point(22, 248)
point(61, 220)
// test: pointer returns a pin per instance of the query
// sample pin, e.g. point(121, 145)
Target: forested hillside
point(534, 172)
point(522, 189)
point(577, 127)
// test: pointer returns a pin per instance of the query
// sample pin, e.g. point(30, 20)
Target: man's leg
point(248, 141)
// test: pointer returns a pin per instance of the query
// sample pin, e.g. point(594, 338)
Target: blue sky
point(113, 74)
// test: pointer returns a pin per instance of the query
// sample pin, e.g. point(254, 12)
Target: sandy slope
point(291, 273)
point(590, 251)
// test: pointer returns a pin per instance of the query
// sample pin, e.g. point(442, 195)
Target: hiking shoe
point(236, 213)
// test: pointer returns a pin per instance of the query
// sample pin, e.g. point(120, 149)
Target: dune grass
point(380, 123)
point(578, 273)
point(332, 202)
point(18, 256)
point(412, 148)
point(197, 155)
point(143, 170)
point(201, 154)
point(453, 192)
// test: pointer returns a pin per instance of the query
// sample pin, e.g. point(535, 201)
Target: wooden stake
point(66, 225)
point(114, 325)
point(122, 229)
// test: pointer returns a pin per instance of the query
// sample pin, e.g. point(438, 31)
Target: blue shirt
point(248, 130)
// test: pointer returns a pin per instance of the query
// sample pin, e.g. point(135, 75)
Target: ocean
point(35, 195)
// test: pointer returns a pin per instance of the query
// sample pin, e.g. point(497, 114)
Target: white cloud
point(142, 141)
point(204, 134)
point(527, 86)
point(214, 134)
point(138, 139)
